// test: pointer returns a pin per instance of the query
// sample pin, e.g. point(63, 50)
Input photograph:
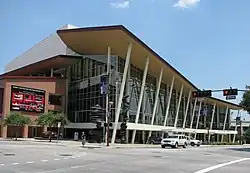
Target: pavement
point(25, 157)
point(71, 143)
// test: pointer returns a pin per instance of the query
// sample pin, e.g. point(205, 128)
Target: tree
point(52, 119)
point(245, 102)
point(16, 119)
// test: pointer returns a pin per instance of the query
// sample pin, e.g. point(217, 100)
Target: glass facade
point(84, 92)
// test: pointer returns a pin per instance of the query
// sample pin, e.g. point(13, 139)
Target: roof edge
point(60, 55)
point(135, 38)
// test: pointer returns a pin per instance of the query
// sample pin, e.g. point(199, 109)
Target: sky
point(208, 41)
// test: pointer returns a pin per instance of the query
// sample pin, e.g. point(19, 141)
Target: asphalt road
point(41, 158)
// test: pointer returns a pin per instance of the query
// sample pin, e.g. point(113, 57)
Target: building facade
point(159, 96)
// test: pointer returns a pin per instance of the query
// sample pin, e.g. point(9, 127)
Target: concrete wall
point(50, 85)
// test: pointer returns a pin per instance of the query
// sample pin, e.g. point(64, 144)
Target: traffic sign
point(230, 97)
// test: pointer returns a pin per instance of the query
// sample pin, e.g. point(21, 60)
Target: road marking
point(15, 163)
point(44, 160)
point(65, 158)
point(2, 164)
point(73, 157)
point(56, 159)
point(30, 162)
point(74, 167)
point(221, 165)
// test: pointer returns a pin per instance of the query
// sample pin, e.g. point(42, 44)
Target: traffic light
point(125, 108)
point(98, 124)
point(200, 93)
point(230, 92)
point(238, 120)
point(96, 113)
point(123, 126)
point(106, 124)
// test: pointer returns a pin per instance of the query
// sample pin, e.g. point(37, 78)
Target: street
point(45, 158)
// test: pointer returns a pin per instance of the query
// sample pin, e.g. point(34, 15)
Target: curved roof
point(96, 40)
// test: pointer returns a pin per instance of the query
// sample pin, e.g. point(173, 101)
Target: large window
point(55, 99)
point(84, 87)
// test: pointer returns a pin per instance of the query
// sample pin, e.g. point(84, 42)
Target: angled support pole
point(192, 118)
point(156, 100)
point(212, 121)
point(224, 124)
point(117, 113)
point(186, 111)
point(198, 119)
point(141, 97)
point(168, 103)
point(178, 106)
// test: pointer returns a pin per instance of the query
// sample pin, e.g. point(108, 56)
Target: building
point(69, 65)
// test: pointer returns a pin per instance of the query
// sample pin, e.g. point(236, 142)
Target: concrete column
point(192, 118)
point(25, 131)
point(127, 62)
point(186, 111)
point(212, 120)
point(168, 103)
point(51, 72)
point(4, 131)
point(178, 107)
point(224, 124)
point(141, 97)
point(198, 118)
point(143, 116)
point(156, 100)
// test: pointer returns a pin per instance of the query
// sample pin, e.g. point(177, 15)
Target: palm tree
point(51, 119)
point(16, 119)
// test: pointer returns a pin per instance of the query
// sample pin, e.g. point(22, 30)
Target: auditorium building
point(62, 73)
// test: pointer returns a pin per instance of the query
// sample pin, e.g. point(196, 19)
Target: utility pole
point(241, 133)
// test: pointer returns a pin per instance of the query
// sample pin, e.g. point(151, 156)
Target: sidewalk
point(71, 143)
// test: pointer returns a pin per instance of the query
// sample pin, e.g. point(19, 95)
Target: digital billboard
point(27, 99)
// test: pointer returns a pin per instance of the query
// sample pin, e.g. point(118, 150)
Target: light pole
point(108, 118)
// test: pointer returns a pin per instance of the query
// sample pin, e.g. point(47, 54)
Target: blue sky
point(206, 40)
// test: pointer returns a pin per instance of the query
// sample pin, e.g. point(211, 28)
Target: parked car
point(155, 140)
point(46, 134)
point(174, 141)
point(193, 142)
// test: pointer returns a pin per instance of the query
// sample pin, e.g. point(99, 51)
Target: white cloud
point(121, 4)
point(186, 3)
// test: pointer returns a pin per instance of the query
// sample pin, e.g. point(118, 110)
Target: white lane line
point(66, 158)
point(30, 162)
point(44, 160)
point(56, 159)
point(15, 163)
point(73, 157)
point(1, 164)
point(221, 165)
point(74, 167)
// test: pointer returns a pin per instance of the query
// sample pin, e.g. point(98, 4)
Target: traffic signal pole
point(107, 97)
